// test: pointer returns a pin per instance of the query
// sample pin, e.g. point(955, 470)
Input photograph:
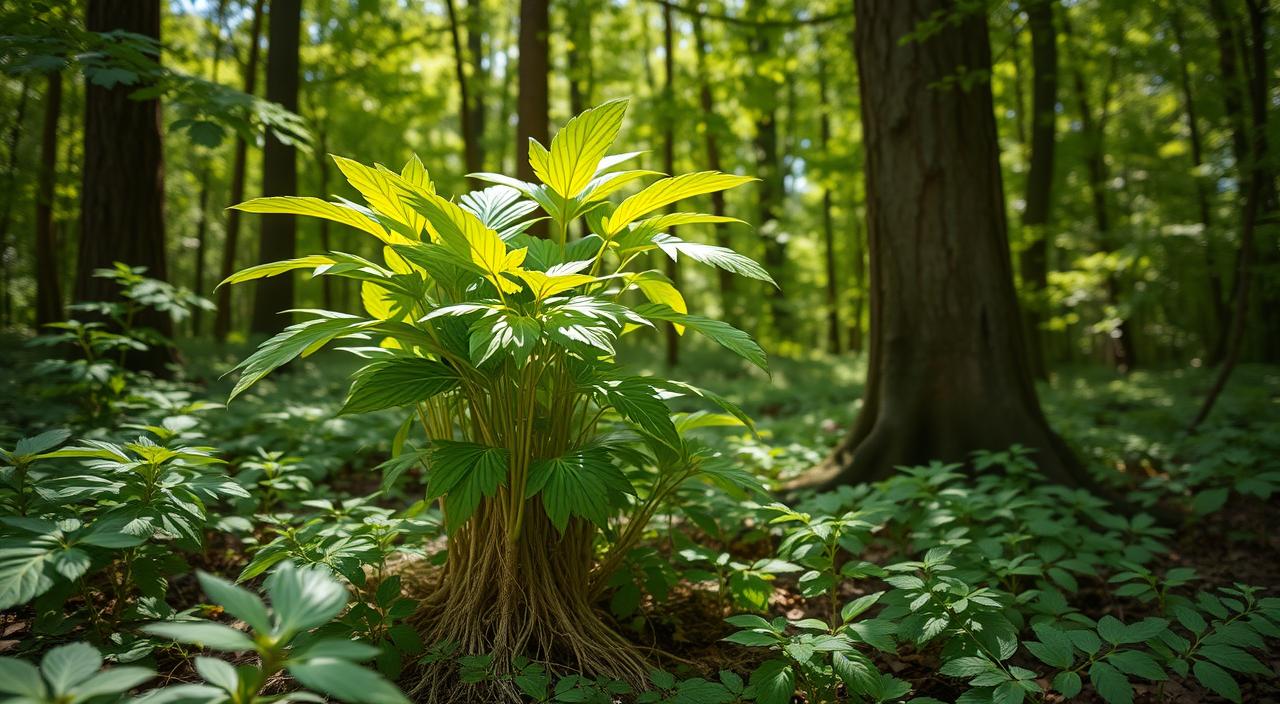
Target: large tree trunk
point(1035, 218)
point(122, 195)
point(279, 165)
point(222, 320)
point(947, 373)
point(48, 289)
point(532, 101)
point(710, 128)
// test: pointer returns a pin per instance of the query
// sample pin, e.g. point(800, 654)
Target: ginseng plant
point(502, 345)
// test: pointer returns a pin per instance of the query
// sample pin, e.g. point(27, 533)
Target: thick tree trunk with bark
point(122, 195)
point(948, 372)
point(1035, 218)
point(532, 100)
point(48, 289)
point(279, 166)
point(222, 319)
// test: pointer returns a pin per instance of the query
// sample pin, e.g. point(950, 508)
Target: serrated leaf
point(399, 381)
point(578, 147)
point(667, 191)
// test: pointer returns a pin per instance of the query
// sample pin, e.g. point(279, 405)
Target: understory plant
point(547, 456)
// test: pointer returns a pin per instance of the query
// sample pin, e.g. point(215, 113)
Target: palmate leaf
point(514, 334)
point(317, 208)
point(545, 285)
point(300, 339)
point(579, 484)
point(388, 193)
point(463, 472)
point(729, 337)
point(577, 149)
point(636, 400)
point(472, 243)
point(399, 381)
point(667, 191)
point(501, 209)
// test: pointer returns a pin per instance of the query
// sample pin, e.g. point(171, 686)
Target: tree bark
point(532, 101)
point(222, 319)
point(710, 128)
point(828, 227)
point(768, 169)
point(1258, 179)
point(1035, 218)
point(48, 288)
point(470, 140)
point(279, 165)
point(11, 175)
point(947, 373)
point(669, 157)
point(122, 194)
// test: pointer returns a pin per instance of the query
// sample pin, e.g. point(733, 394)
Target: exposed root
point(527, 597)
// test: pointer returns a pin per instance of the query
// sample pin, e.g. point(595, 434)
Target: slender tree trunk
point(856, 337)
point(222, 319)
point(1258, 178)
point(710, 130)
point(669, 155)
point(476, 115)
point(6, 218)
point(122, 218)
point(948, 370)
point(769, 191)
point(1035, 218)
point(470, 140)
point(279, 165)
point(532, 100)
point(1121, 343)
point(1220, 311)
point(579, 61)
point(828, 227)
point(202, 220)
point(322, 165)
point(48, 289)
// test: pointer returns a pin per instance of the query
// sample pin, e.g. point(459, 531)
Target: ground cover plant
point(799, 352)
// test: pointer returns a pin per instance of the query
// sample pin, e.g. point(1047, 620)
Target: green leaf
point(28, 447)
point(113, 681)
point(774, 682)
point(1112, 686)
point(1216, 680)
point(68, 665)
point(752, 639)
point(463, 472)
point(1136, 662)
point(218, 673)
point(1206, 502)
point(579, 483)
point(1233, 658)
point(727, 336)
point(399, 381)
point(637, 401)
point(337, 648)
point(667, 191)
point(1068, 684)
point(579, 146)
point(1111, 630)
point(304, 597)
point(23, 576)
point(346, 681)
point(202, 633)
point(238, 602)
point(516, 335)
point(856, 671)
point(21, 678)
point(712, 255)
point(856, 607)
point(968, 666)
point(300, 339)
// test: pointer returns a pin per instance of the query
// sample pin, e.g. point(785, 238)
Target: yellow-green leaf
point(667, 191)
point(386, 192)
point(577, 149)
point(316, 208)
point(544, 286)
point(658, 289)
point(264, 270)
point(606, 185)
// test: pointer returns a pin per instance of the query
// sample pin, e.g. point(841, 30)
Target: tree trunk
point(669, 157)
point(1258, 178)
point(1220, 312)
point(710, 127)
point(768, 169)
point(479, 78)
point(202, 220)
point(222, 319)
point(279, 166)
point(828, 227)
point(122, 195)
point(1035, 218)
point(470, 140)
point(11, 175)
point(947, 373)
point(532, 101)
point(48, 289)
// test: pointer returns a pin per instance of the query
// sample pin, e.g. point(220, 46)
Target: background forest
point(1016, 266)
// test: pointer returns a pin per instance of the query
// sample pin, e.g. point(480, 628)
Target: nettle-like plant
point(502, 346)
